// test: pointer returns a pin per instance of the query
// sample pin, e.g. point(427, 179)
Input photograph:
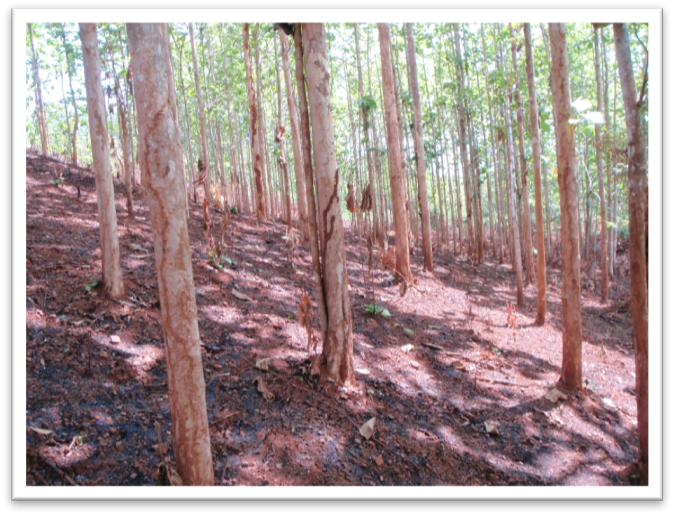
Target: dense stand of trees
point(436, 132)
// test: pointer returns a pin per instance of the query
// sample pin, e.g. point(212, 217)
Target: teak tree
point(338, 347)
point(403, 270)
point(567, 177)
point(636, 166)
point(202, 121)
point(162, 155)
point(98, 131)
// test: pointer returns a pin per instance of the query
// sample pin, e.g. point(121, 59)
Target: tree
point(536, 151)
point(403, 270)
point(567, 178)
point(419, 147)
point(338, 347)
point(636, 167)
point(68, 51)
point(38, 95)
point(163, 164)
point(256, 144)
point(296, 138)
point(206, 170)
point(98, 131)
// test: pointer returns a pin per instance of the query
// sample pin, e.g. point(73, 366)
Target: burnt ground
point(457, 381)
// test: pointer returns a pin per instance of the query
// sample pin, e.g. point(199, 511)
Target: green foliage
point(91, 285)
point(375, 310)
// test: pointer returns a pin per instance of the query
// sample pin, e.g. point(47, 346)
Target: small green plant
point(56, 182)
point(233, 209)
point(408, 331)
point(437, 328)
point(91, 285)
point(376, 310)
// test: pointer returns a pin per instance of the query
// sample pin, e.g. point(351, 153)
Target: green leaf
point(408, 331)
point(437, 328)
point(91, 285)
point(228, 261)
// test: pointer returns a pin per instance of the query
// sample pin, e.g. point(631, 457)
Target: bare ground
point(457, 381)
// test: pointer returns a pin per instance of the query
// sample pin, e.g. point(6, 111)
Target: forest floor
point(457, 381)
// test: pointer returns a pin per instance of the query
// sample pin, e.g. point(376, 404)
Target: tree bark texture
point(162, 154)
point(567, 177)
point(202, 118)
point(338, 347)
point(98, 130)
point(38, 96)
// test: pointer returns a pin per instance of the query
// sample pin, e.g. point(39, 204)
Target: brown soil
point(449, 362)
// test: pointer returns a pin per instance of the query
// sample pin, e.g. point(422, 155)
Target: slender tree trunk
point(296, 137)
point(526, 225)
point(38, 96)
point(309, 183)
point(637, 164)
point(600, 173)
point(366, 131)
point(419, 146)
point(187, 124)
point(280, 131)
point(66, 50)
point(202, 119)
point(567, 177)
point(536, 151)
point(338, 347)
point(107, 217)
point(395, 158)
point(162, 153)
point(261, 206)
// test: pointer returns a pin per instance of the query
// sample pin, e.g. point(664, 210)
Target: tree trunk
point(98, 130)
point(202, 120)
point(280, 131)
point(419, 147)
point(38, 96)
point(403, 269)
point(536, 151)
point(338, 347)
point(636, 166)
point(187, 124)
point(296, 137)
point(526, 215)
point(66, 49)
point(261, 206)
point(309, 182)
point(162, 153)
point(567, 177)
point(600, 173)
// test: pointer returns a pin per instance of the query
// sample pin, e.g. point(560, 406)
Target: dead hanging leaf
point(305, 316)
point(239, 295)
point(492, 430)
point(316, 362)
point(367, 429)
point(262, 388)
point(263, 364)
point(41, 431)
point(554, 395)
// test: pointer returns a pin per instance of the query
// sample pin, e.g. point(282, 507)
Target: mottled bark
point(261, 205)
point(419, 147)
point(162, 157)
point(309, 182)
point(636, 165)
point(396, 177)
point(202, 118)
point(536, 161)
point(296, 139)
point(338, 347)
point(567, 177)
point(98, 130)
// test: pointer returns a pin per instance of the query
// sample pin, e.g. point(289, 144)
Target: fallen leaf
point(263, 364)
point(262, 388)
point(362, 371)
point(239, 295)
point(407, 348)
point(554, 395)
point(491, 429)
point(379, 460)
point(408, 331)
point(41, 431)
point(115, 339)
point(139, 256)
point(78, 323)
point(414, 364)
point(458, 365)
point(367, 429)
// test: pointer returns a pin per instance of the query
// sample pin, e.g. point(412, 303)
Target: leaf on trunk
point(367, 429)
point(239, 295)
